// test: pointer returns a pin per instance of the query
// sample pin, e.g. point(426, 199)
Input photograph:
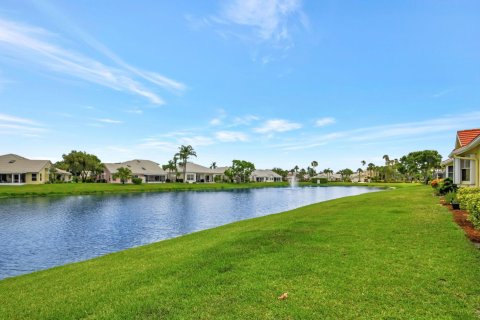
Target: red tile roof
point(467, 136)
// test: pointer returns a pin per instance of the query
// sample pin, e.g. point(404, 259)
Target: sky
point(275, 82)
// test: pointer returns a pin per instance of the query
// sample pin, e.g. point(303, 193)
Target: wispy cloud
point(108, 120)
point(231, 136)
point(196, 141)
point(267, 18)
point(322, 122)
point(157, 144)
point(13, 125)
point(442, 93)
point(38, 46)
point(277, 125)
point(388, 132)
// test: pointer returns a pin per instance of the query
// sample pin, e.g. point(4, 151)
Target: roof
point(465, 137)
point(12, 163)
point(137, 166)
point(265, 173)
point(196, 168)
point(61, 171)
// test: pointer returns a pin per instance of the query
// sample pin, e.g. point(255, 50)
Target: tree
point(359, 171)
point(241, 170)
point(422, 163)
point(314, 165)
point(82, 164)
point(52, 174)
point(123, 173)
point(171, 166)
point(371, 169)
point(328, 172)
point(185, 152)
point(281, 172)
point(213, 165)
point(345, 173)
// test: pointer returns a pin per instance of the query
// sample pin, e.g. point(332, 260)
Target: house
point(148, 171)
point(330, 177)
point(62, 175)
point(18, 170)
point(265, 176)
point(463, 163)
point(198, 173)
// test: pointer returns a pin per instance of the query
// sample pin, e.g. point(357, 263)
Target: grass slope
point(387, 255)
point(106, 188)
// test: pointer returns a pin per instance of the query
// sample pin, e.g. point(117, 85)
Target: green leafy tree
point(123, 174)
point(241, 170)
point(345, 173)
point(82, 164)
point(52, 174)
point(184, 153)
point(422, 163)
point(281, 172)
point(171, 166)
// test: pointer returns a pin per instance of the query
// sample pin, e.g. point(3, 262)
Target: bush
point(469, 199)
point(137, 180)
point(451, 197)
point(447, 186)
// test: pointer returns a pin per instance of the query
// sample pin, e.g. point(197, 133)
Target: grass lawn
point(395, 254)
point(8, 191)
point(101, 188)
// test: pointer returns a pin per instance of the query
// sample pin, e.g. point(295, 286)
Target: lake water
point(40, 233)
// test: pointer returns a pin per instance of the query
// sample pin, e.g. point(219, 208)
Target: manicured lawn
point(106, 188)
point(99, 188)
point(387, 255)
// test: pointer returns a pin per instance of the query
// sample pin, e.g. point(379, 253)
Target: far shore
point(63, 189)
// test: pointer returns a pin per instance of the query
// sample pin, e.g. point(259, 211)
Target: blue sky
point(278, 83)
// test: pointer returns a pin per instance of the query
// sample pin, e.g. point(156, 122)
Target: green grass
point(42, 190)
point(395, 254)
point(101, 188)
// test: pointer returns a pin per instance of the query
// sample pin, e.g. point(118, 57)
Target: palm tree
point(328, 171)
point(185, 152)
point(295, 169)
point(123, 173)
point(371, 168)
point(213, 165)
point(359, 170)
point(170, 166)
point(314, 165)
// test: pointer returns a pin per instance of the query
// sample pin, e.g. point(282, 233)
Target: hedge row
point(469, 199)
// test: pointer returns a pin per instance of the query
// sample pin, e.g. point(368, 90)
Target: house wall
point(42, 176)
point(474, 168)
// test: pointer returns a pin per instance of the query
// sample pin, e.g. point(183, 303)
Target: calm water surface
point(40, 233)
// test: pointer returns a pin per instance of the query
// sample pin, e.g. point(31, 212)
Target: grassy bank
point(110, 188)
point(390, 255)
point(106, 188)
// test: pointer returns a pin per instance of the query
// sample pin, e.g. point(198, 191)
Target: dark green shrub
point(447, 186)
point(137, 180)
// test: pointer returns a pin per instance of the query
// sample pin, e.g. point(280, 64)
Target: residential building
point(17, 170)
point(198, 173)
point(148, 171)
point(330, 177)
point(463, 163)
point(265, 176)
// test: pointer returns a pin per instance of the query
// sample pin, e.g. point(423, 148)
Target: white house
point(198, 173)
point(265, 176)
point(148, 171)
point(18, 170)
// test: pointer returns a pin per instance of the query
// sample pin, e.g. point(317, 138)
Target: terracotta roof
point(467, 136)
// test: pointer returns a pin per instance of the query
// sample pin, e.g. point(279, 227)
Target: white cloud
point(244, 120)
point(231, 136)
point(152, 143)
point(277, 125)
point(430, 127)
point(268, 18)
point(218, 120)
point(324, 121)
point(108, 120)
point(36, 46)
point(16, 126)
point(196, 141)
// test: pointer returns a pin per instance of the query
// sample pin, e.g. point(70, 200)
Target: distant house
point(463, 163)
point(18, 170)
point(329, 177)
point(265, 176)
point(148, 171)
point(198, 173)
point(63, 175)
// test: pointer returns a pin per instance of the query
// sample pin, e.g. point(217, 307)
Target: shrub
point(469, 199)
point(451, 197)
point(435, 183)
point(137, 180)
point(447, 186)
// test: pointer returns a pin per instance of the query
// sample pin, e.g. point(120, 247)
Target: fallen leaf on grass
point(283, 296)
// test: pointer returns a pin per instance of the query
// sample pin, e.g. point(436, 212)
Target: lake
point(40, 233)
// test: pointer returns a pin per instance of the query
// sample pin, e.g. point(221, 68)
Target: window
point(34, 177)
point(465, 168)
point(190, 177)
point(450, 172)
